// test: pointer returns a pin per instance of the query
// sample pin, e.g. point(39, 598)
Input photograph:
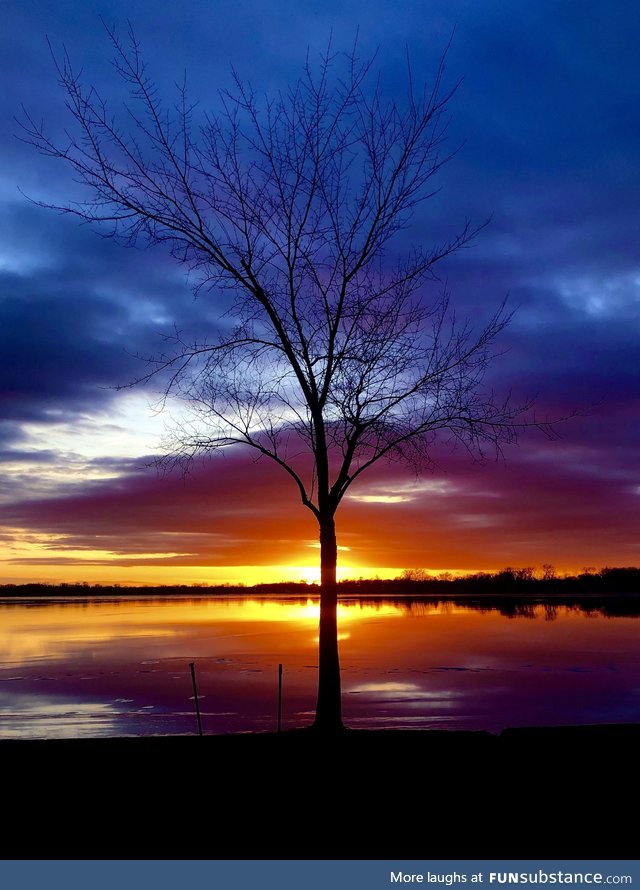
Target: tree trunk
point(329, 705)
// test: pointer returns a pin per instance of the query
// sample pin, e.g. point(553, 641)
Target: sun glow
point(311, 574)
point(32, 557)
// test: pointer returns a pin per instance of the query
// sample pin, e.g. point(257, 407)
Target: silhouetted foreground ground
point(528, 793)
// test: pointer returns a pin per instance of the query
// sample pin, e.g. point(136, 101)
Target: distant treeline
point(413, 582)
point(516, 581)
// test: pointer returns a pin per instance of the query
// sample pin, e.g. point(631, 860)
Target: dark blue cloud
point(545, 122)
point(75, 310)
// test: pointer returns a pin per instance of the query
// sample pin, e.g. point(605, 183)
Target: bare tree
point(338, 356)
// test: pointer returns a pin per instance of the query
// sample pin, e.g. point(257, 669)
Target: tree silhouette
point(339, 354)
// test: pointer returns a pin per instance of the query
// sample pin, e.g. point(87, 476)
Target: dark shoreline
point(366, 794)
point(517, 582)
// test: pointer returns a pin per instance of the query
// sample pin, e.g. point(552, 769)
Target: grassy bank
point(544, 793)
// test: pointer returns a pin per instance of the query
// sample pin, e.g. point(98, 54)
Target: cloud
point(551, 502)
point(232, 510)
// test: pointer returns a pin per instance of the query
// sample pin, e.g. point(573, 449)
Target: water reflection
point(120, 667)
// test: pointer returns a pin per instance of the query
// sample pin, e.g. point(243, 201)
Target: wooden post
point(279, 698)
point(192, 665)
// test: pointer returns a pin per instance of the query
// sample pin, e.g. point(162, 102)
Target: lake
point(96, 667)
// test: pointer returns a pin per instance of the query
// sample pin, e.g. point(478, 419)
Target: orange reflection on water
point(55, 628)
point(108, 667)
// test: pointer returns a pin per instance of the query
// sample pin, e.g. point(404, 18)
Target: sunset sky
point(547, 120)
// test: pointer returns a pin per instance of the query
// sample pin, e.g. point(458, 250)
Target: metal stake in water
point(192, 665)
point(279, 698)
